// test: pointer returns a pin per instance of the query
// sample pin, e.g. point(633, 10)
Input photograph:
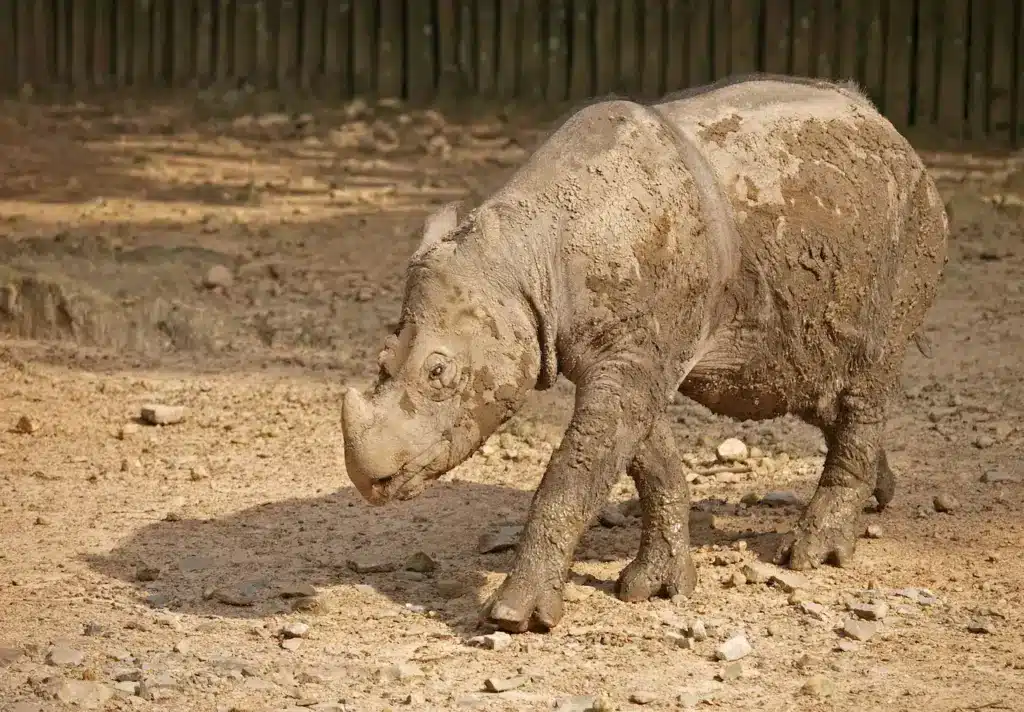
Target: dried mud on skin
point(246, 269)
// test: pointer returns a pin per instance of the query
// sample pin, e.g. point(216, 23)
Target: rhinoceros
point(763, 245)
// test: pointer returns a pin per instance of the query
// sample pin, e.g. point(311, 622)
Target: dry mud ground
point(148, 567)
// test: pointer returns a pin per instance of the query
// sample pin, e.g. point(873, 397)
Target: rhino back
point(820, 188)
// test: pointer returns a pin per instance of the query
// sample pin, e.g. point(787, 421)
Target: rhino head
point(470, 345)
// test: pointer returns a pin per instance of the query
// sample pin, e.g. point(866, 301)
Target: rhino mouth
point(411, 478)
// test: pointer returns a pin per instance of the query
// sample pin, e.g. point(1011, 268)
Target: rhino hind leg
point(827, 531)
point(663, 565)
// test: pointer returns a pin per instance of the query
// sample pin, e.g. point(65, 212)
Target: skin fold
point(765, 245)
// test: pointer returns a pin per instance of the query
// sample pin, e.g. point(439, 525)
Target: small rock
point(198, 472)
point(731, 671)
point(873, 531)
point(233, 597)
point(750, 499)
point(498, 684)
point(679, 640)
point(9, 654)
point(757, 572)
point(687, 700)
point(818, 686)
point(128, 675)
point(814, 610)
point(859, 630)
point(612, 517)
point(371, 566)
point(127, 687)
point(43, 521)
point(401, 671)
point(183, 647)
point(727, 558)
point(147, 573)
point(582, 703)
point(734, 648)
point(781, 498)
point(84, 694)
point(846, 645)
point(871, 611)
point(698, 631)
point(451, 588)
point(980, 626)
point(798, 597)
point(308, 603)
point(732, 450)
point(126, 431)
point(296, 590)
point(736, 580)
point(421, 562)
point(504, 539)
point(790, 581)
point(26, 425)
point(983, 442)
point(994, 477)
point(291, 644)
point(63, 656)
point(156, 414)
point(946, 503)
point(492, 641)
point(294, 630)
point(643, 697)
point(218, 276)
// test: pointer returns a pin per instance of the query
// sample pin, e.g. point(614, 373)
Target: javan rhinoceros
point(764, 245)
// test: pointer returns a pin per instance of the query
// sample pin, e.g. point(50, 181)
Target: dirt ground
point(246, 266)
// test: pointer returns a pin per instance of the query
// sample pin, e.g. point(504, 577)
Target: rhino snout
point(368, 463)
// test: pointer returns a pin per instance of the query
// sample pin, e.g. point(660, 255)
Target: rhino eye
point(437, 371)
point(441, 371)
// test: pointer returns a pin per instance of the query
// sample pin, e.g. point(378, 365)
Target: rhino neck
point(521, 254)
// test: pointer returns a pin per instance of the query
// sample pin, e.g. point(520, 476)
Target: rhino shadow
point(187, 565)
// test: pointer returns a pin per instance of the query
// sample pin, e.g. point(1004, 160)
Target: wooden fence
point(956, 65)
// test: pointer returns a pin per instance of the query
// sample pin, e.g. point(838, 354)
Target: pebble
point(233, 597)
point(983, 442)
point(698, 631)
point(781, 498)
point(504, 539)
point(994, 477)
point(736, 580)
point(451, 588)
point(84, 694)
point(790, 581)
point(291, 644)
point(128, 675)
point(946, 503)
point(859, 630)
point(846, 645)
point(156, 414)
point(873, 531)
point(294, 630)
point(679, 640)
point(492, 641)
point(814, 610)
point(688, 699)
point(402, 671)
point(732, 450)
point(147, 573)
point(643, 697)
point(612, 517)
point(818, 686)
point(750, 499)
point(871, 611)
point(218, 276)
point(371, 566)
point(26, 425)
point(421, 562)
point(798, 597)
point(296, 590)
point(734, 648)
point(183, 647)
point(9, 654)
point(63, 656)
point(730, 672)
point(583, 703)
point(127, 687)
point(981, 626)
point(198, 472)
point(504, 684)
point(757, 572)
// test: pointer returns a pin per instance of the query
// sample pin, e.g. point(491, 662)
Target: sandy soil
point(247, 269)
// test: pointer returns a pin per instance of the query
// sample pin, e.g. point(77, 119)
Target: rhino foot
point(663, 565)
point(827, 533)
point(644, 578)
point(520, 605)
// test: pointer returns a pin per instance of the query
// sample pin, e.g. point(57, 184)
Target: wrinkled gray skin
point(763, 246)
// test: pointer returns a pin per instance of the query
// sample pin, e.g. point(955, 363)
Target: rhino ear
point(438, 224)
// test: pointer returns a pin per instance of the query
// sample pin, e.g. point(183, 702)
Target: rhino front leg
point(614, 410)
point(827, 532)
point(663, 565)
